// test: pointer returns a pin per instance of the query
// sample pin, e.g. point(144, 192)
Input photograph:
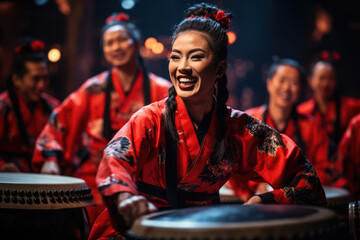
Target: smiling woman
point(180, 151)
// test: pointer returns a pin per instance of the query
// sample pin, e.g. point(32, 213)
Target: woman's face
point(323, 81)
point(118, 46)
point(192, 66)
point(284, 87)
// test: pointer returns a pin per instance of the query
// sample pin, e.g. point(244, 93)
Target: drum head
point(236, 221)
point(42, 191)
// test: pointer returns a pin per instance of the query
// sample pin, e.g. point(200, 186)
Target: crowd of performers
point(143, 143)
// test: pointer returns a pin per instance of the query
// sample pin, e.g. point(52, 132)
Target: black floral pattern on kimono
point(271, 139)
point(213, 173)
point(233, 150)
point(189, 187)
point(311, 175)
point(118, 149)
point(95, 87)
point(302, 195)
point(110, 181)
point(53, 120)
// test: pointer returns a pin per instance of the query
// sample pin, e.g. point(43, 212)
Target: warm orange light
point(232, 37)
point(149, 43)
point(54, 55)
point(157, 48)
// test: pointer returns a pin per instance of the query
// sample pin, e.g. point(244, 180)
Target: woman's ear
point(221, 68)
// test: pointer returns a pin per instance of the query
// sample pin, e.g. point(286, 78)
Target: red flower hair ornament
point(220, 17)
point(37, 46)
point(121, 17)
point(34, 46)
point(334, 56)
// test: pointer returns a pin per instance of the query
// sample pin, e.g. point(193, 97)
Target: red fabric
point(77, 124)
point(102, 228)
point(349, 154)
point(12, 148)
point(349, 107)
point(254, 151)
point(316, 147)
point(316, 144)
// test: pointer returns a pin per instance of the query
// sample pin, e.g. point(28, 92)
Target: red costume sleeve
point(277, 160)
point(122, 154)
point(62, 134)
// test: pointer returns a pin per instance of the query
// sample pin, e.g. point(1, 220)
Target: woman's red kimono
point(12, 147)
point(349, 154)
point(74, 135)
point(313, 140)
point(136, 155)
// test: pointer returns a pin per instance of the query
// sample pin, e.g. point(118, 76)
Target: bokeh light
point(232, 37)
point(150, 42)
point(157, 48)
point(127, 4)
point(54, 55)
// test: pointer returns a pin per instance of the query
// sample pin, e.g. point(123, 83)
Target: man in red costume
point(332, 111)
point(285, 80)
point(24, 106)
point(72, 142)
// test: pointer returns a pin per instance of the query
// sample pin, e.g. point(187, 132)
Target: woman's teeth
point(187, 81)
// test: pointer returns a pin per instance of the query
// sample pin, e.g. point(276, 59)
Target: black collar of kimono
point(203, 127)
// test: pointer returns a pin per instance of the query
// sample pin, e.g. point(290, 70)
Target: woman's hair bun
point(209, 11)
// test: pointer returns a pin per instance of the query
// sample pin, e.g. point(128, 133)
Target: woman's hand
point(253, 200)
point(131, 207)
point(50, 167)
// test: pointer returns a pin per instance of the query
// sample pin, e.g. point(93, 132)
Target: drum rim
point(52, 191)
point(143, 228)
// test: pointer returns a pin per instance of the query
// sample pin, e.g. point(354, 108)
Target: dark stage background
point(263, 28)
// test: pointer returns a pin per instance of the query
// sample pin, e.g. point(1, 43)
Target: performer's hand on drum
point(50, 167)
point(253, 200)
point(131, 207)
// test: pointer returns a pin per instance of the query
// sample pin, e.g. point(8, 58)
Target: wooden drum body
point(40, 206)
point(238, 222)
point(338, 200)
point(354, 219)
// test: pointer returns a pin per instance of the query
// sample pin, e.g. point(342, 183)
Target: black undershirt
point(204, 126)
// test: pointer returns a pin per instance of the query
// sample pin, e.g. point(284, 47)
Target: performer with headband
point(286, 78)
point(74, 139)
point(331, 110)
point(24, 106)
point(180, 151)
